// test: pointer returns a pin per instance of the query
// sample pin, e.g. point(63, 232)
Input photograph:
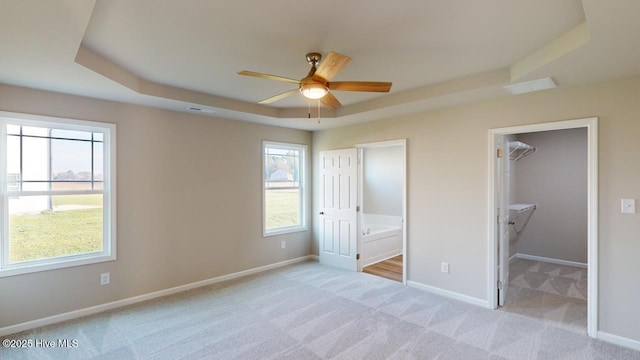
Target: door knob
point(321, 212)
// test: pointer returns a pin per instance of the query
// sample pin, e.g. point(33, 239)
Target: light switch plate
point(628, 206)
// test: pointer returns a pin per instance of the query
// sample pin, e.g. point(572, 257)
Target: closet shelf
point(520, 208)
point(515, 210)
point(518, 150)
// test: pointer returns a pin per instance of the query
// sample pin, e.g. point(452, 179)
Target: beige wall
point(189, 205)
point(554, 177)
point(174, 231)
point(383, 180)
point(448, 177)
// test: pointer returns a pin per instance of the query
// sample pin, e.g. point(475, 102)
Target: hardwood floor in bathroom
point(389, 269)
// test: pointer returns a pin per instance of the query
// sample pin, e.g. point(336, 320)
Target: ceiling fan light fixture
point(313, 91)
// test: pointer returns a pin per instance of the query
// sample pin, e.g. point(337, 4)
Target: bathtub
point(374, 230)
point(379, 242)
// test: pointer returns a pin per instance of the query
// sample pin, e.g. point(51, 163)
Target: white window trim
point(303, 185)
point(109, 195)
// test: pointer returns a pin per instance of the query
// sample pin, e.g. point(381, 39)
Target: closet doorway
point(542, 251)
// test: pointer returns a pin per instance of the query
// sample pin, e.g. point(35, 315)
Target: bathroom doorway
point(382, 205)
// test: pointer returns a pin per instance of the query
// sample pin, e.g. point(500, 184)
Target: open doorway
point(382, 203)
point(543, 194)
point(362, 208)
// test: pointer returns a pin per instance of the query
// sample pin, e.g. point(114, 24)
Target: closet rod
point(518, 150)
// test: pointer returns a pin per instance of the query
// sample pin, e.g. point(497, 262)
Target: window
point(283, 189)
point(57, 179)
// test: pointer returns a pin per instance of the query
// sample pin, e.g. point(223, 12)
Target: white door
point(503, 219)
point(338, 202)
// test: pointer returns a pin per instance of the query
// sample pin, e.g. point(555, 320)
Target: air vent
point(530, 86)
point(200, 109)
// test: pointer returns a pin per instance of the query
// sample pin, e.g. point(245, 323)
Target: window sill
point(283, 231)
point(58, 264)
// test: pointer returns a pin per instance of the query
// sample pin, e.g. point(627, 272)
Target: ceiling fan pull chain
point(309, 103)
point(318, 111)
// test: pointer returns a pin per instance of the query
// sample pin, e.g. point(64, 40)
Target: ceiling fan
point(316, 84)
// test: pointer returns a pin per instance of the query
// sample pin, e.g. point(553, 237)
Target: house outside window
point(283, 187)
point(58, 193)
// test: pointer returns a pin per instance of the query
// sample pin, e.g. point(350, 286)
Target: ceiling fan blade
point(267, 76)
point(330, 102)
point(370, 86)
point(278, 97)
point(331, 66)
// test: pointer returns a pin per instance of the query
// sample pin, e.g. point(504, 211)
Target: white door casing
point(338, 205)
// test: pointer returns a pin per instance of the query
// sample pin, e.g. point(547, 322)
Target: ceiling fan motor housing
point(314, 58)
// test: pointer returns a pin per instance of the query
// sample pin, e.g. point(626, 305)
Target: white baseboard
point(449, 294)
point(550, 260)
point(314, 257)
point(619, 340)
point(12, 329)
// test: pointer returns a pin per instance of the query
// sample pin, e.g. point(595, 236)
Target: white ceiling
point(174, 54)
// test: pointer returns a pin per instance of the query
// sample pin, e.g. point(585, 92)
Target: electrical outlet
point(105, 278)
point(283, 244)
point(628, 206)
point(444, 267)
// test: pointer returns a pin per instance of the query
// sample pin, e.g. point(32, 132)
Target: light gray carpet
point(553, 293)
point(309, 311)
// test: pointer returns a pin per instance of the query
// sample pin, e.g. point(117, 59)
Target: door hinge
point(498, 219)
point(358, 208)
point(499, 153)
point(357, 256)
point(499, 285)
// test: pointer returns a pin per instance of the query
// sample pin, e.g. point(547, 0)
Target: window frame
point(108, 192)
point(302, 224)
